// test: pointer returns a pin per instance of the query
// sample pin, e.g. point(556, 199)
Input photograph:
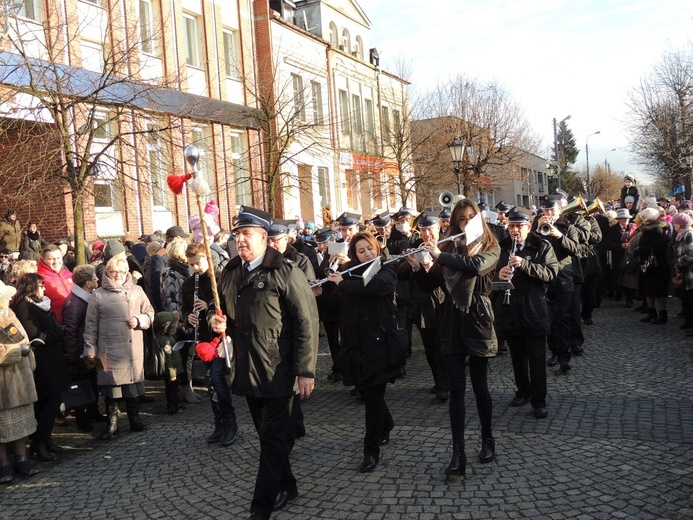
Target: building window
point(193, 43)
point(231, 56)
point(147, 30)
point(358, 115)
point(92, 56)
point(352, 186)
point(201, 139)
point(334, 38)
point(385, 116)
point(316, 92)
point(241, 173)
point(160, 192)
point(344, 109)
point(358, 48)
point(346, 41)
point(95, 2)
point(540, 181)
point(299, 99)
point(29, 9)
point(324, 187)
point(397, 130)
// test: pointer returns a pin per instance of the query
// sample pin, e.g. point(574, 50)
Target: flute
point(513, 250)
point(195, 298)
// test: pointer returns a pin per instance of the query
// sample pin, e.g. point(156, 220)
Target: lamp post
point(587, 158)
point(555, 149)
point(606, 167)
point(457, 149)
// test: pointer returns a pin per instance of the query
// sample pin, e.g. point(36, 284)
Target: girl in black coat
point(33, 311)
point(366, 313)
point(466, 273)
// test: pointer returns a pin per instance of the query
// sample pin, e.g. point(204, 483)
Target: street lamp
point(587, 158)
point(606, 167)
point(555, 149)
point(457, 150)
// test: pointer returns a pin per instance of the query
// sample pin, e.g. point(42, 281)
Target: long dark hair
point(27, 288)
point(488, 240)
point(363, 235)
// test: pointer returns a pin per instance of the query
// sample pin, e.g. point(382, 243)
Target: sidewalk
point(616, 444)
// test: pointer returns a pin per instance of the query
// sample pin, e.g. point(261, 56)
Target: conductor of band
point(270, 313)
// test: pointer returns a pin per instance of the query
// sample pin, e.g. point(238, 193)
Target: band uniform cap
point(176, 231)
point(519, 215)
point(404, 212)
point(323, 235)
point(426, 220)
point(252, 217)
point(381, 220)
point(277, 230)
point(551, 201)
point(347, 219)
point(629, 198)
point(622, 213)
point(503, 207)
point(444, 214)
point(562, 193)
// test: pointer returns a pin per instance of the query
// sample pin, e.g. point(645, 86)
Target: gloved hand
point(25, 349)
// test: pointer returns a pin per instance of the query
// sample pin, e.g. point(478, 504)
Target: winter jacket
point(653, 244)
point(273, 321)
point(528, 312)
point(74, 316)
point(157, 263)
point(565, 248)
point(17, 385)
point(366, 314)
point(32, 243)
point(303, 246)
point(172, 278)
point(50, 374)
point(301, 261)
point(57, 287)
point(10, 234)
point(108, 336)
point(633, 192)
point(684, 256)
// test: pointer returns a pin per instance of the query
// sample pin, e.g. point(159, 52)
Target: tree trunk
point(78, 222)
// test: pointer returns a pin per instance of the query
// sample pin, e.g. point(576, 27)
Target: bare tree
point(660, 125)
point(79, 118)
point(605, 184)
point(490, 123)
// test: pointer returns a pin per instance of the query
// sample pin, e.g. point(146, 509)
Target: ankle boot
point(189, 396)
point(53, 447)
point(172, 404)
point(458, 465)
point(216, 435)
point(40, 449)
point(661, 319)
point(488, 450)
point(229, 431)
point(5, 472)
point(112, 425)
point(133, 409)
point(651, 315)
point(23, 467)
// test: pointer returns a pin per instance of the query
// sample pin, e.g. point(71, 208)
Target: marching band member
point(524, 320)
point(465, 273)
point(444, 222)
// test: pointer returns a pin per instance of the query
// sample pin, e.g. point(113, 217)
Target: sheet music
point(372, 270)
point(474, 228)
point(338, 248)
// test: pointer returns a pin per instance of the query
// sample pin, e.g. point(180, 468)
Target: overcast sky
point(555, 57)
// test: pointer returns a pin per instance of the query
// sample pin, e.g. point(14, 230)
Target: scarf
point(44, 304)
point(33, 235)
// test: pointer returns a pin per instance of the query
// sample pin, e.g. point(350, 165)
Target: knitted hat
point(648, 215)
point(682, 220)
point(113, 248)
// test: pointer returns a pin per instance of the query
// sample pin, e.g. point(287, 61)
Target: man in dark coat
point(524, 320)
point(272, 318)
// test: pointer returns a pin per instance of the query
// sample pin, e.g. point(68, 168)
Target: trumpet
point(545, 228)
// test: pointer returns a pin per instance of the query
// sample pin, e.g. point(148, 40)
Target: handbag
point(630, 264)
point(679, 280)
point(79, 394)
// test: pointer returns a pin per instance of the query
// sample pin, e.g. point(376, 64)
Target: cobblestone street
point(616, 444)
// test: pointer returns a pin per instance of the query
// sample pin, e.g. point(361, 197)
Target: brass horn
point(578, 205)
point(597, 206)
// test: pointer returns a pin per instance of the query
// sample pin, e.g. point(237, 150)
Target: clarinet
point(195, 298)
point(513, 250)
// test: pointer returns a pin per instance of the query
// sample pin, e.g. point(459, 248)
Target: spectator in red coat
point(57, 279)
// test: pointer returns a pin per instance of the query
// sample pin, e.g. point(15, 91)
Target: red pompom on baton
point(208, 351)
point(176, 182)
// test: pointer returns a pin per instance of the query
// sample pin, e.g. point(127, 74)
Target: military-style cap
point(381, 220)
point(426, 221)
point(323, 235)
point(347, 219)
point(252, 217)
point(502, 207)
point(277, 231)
point(562, 193)
point(445, 214)
point(551, 201)
point(519, 215)
point(404, 212)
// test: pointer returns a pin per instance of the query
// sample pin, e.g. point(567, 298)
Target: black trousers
point(46, 410)
point(528, 354)
point(271, 417)
point(478, 373)
point(575, 317)
point(332, 332)
point(589, 296)
point(559, 337)
point(378, 418)
point(434, 358)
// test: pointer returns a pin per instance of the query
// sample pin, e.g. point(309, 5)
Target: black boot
point(458, 465)
point(112, 425)
point(216, 435)
point(172, 403)
point(5, 472)
point(133, 409)
point(661, 319)
point(229, 431)
point(23, 467)
point(40, 449)
point(488, 450)
point(651, 315)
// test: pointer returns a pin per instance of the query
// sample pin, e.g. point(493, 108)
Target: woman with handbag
point(367, 316)
point(652, 253)
point(117, 314)
point(683, 263)
point(465, 272)
point(32, 308)
point(17, 390)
